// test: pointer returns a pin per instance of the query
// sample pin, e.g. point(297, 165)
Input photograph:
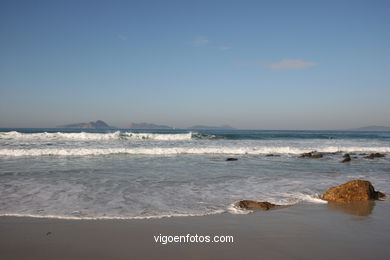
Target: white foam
point(111, 217)
point(161, 137)
point(178, 150)
point(232, 209)
point(14, 135)
point(311, 198)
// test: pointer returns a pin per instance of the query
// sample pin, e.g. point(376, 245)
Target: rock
point(380, 195)
point(272, 155)
point(311, 155)
point(231, 159)
point(375, 155)
point(352, 191)
point(251, 205)
point(304, 155)
point(347, 158)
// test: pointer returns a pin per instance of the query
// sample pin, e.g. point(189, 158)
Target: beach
point(121, 194)
point(298, 232)
point(194, 130)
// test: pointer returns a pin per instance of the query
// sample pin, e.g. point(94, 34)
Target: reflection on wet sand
point(357, 208)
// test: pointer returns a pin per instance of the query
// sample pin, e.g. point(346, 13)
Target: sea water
point(124, 174)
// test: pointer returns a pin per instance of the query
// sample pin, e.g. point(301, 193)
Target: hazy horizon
point(190, 126)
point(250, 64)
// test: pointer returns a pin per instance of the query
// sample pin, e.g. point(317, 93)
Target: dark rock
point(231, 159)
point(304, 155)
point(272, 155)
point(375, 155)
point(380, 195)
point(252, 205)
point(352, 191)
point(346, 157)
point(311, 155)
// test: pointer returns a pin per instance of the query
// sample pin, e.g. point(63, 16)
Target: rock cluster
point(375, 155)
point(313, 155)
point(346, 157)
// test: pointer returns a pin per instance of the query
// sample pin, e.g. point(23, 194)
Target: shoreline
point(300, 232)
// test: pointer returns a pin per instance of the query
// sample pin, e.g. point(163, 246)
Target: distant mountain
point(206, 127)
point(99, 124)
point(148, 126)
point(372, 128)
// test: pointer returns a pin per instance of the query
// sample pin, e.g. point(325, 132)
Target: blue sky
point(249, 64)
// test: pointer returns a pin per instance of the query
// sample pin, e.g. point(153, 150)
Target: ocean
point(126, 174)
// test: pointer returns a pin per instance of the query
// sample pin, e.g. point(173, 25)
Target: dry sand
point(315, 231)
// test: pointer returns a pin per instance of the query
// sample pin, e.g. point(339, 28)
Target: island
point(148, 126)
point(99, 124)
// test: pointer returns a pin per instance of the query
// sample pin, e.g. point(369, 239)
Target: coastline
point(304, 231)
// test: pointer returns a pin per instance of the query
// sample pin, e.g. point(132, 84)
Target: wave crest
point(14, 135)
point(181, 150)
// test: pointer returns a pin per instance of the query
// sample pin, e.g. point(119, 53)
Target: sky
point(248, 64)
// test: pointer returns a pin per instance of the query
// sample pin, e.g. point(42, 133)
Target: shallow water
point(121, 174)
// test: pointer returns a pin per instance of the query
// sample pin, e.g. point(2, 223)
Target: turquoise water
point(91, 174)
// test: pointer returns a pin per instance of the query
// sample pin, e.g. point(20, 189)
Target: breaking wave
point(95, 136)
point(184, 150)
point(233, 135)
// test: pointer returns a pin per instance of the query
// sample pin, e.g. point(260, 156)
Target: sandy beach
point(303, 231)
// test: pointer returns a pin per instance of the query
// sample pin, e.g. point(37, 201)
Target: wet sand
point(306, 231)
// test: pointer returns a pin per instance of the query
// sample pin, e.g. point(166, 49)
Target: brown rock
point(352, 191)
point(251, 205)
point(304, 155)
point(347, 158)
point(375, 155)
point(311, 155)
point(231, 159)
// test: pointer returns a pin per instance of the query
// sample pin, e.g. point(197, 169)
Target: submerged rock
point(231, 159)
point(251, 205)
point(375, 155)
point(272, 155)
point(311, 155)
point(352, 191)
point(347, 158)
